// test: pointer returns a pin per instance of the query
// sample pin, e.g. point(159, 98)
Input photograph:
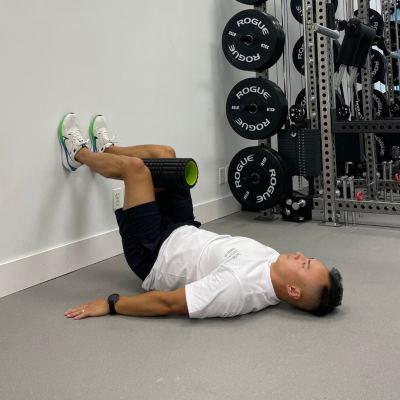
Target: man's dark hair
point(329, 299)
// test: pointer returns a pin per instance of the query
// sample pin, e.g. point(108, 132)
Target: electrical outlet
point(222, 179)
point(117, 199)
point(226, 174)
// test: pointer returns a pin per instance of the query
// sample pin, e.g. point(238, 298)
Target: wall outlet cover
point(222, 176)
point(117, 199)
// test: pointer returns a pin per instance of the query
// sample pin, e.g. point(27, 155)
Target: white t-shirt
point(224, 276)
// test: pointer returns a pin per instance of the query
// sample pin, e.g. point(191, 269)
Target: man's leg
point(139, 187)
point(176, 204)
point(144, 151)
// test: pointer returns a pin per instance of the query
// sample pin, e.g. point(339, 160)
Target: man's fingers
point(73, 314)
point(95, 308)
point(76, 309)
point(84, 315)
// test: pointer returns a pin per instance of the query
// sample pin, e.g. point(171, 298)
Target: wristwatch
point(111, 302)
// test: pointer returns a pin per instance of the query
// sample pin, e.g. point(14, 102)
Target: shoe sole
point(64, 151)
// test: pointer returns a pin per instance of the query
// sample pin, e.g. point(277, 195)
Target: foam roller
point(179, 173)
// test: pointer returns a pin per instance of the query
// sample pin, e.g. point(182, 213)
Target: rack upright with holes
point(265, 215)
point(330, 204)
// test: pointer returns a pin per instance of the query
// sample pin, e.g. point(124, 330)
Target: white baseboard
point(216, 209)
point(33, 270)
point(38, 268)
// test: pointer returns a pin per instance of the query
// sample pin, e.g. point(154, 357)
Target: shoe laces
point(104, 133)
point(76, 136)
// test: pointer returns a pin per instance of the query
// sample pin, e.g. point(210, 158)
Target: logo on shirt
point(232, 254)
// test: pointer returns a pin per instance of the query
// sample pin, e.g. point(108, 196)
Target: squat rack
point(329, 203)
point(319, 47)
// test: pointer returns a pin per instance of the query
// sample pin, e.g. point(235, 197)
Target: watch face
point(114, 298)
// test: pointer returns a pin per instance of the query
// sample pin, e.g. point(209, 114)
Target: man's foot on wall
point(71, 141)
point(99, 135)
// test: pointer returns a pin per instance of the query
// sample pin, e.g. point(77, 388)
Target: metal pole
point(265, 215)
point(393, 54)
point(351, 183)
point(397, 37)
point(346, 214)
point(285, 16)
point(286, 82)
point(384, 166)
point(370, 140)
point(350, 14)
point(388, 41)
point(325, 31)
point(327, 104)
point(390, 163)
point(309, 64)
point(306, 60)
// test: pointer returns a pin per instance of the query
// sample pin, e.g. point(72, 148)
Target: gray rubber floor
point(278, 353)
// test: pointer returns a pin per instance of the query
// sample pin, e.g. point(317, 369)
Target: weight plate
point(396, 97)
point(301, 99)
point(298, 54)
point(253, 41)
point(384, 146)
point(297, 9)
point(381, 103)
point(393, 34)
point(289, 181)
point(378, 65)
point(256, 108)
point(252, 2)
point(395, 73)
point(270, 178)
point(376, 20)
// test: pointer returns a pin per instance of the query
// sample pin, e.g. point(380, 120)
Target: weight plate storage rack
point(257, 109)
point(341, 133)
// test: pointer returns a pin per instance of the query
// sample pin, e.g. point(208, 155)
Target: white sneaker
point(99, 135)
point(71, 141)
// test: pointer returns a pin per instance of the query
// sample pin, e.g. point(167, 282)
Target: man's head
point(307, 283)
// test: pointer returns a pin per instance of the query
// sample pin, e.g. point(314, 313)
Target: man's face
point(301, 271)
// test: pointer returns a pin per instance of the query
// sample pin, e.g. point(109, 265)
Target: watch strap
point(112, 300)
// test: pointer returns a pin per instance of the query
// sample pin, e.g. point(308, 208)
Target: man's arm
point(151, 304)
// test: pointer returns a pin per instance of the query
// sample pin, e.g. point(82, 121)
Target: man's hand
point(97, 308)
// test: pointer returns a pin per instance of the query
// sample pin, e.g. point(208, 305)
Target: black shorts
point(144, 228)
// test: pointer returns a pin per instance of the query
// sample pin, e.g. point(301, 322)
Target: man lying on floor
point(188, 271)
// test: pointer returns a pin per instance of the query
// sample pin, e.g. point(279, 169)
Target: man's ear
point(293, 292)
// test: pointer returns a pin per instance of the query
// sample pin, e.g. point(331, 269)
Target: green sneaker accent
point(94, 149)
point(191, 173)
point(60, 130)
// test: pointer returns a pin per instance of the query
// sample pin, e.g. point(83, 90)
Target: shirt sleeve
point(219, 294)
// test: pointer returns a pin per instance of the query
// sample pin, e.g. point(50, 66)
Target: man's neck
point(275, 281)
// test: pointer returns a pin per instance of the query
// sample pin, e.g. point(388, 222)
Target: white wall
point(155, 70)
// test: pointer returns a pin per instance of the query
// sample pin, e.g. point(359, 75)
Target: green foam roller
point(181, 173)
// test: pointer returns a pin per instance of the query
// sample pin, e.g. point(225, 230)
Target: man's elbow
point(178, 310)
point(177, 302)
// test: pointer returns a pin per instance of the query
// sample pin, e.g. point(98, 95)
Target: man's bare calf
point(125, 164)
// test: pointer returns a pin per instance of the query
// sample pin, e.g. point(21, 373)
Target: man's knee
point(168, 152)
point(134, 165)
